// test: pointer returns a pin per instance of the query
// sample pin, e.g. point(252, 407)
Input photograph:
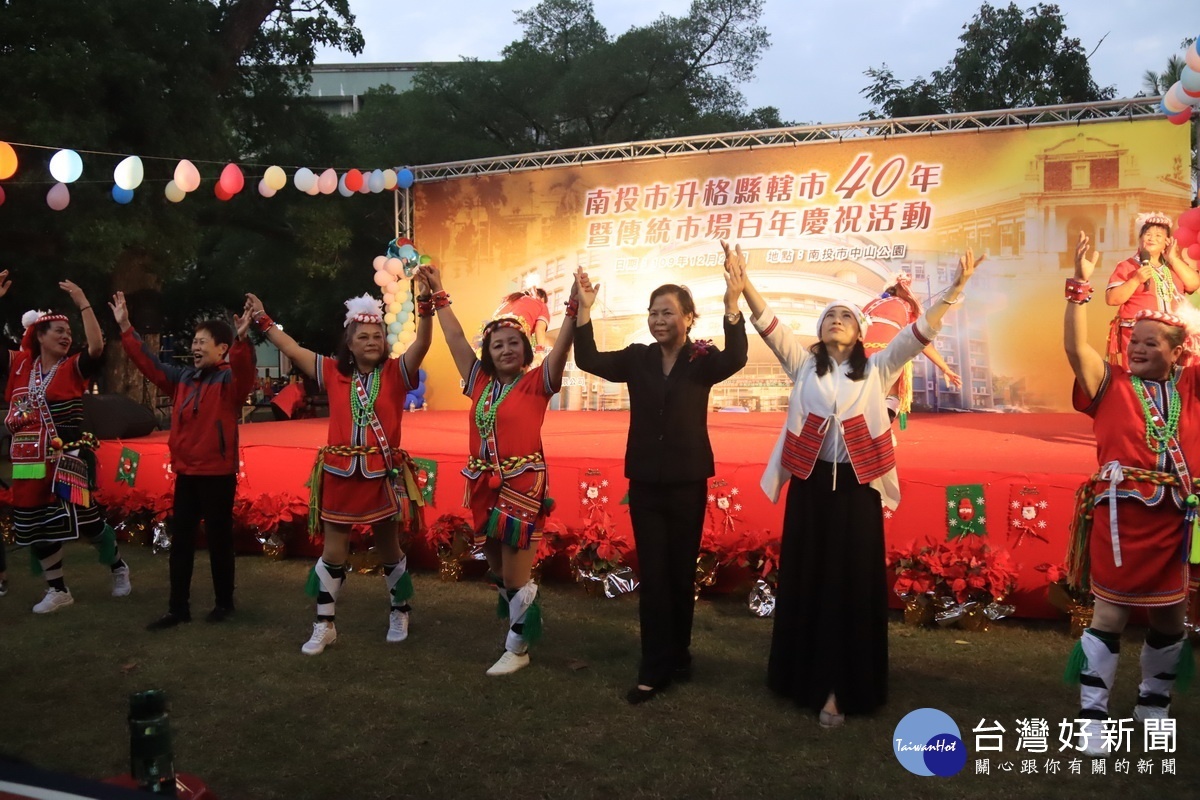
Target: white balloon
point(173, 192)
point(376, 182)
point(328, 182)
point(389, 179)
point(342, 188)
point(128, 174)
point(66, 166)
point(187, 177)
point(1190, 80)
point(304, 179)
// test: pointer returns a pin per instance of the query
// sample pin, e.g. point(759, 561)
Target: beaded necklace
point(1164, 287)
point(1158, 433)
point(485, 409)
point(360, 412)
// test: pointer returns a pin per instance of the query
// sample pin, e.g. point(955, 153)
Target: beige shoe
point(397, 626)
point(323, 635)
point(509, 663)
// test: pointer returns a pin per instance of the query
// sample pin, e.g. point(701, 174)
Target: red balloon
point(232, 179)
point(1194, 252)
point(1181, 117)
point(354, 180)
point(1186, 237)
point(221, 192)
point(1, 195)
point(1190, 219)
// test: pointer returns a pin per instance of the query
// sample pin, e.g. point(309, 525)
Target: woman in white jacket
point(829, 646)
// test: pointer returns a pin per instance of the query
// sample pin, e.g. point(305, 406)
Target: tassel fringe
point(1078, 559)
point(35, 566)
point(106, 546)
point(532, 626)
point(1185, 673)
point(402, 592)
point(1075, 664)
point(312, 586)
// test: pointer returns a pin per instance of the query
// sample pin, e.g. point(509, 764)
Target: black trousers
point(208, 498)
point(668, 519)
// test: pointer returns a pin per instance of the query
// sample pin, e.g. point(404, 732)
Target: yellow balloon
point(394, 308)
point(275, 177)
point(8, 161)
point(389, 318)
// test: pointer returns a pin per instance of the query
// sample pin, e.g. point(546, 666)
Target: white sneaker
point(1093, 741)
point(3, 588)
point(397, 626)
point(509, 663)
point(1142, 713)
point(323, 635)
point(53, 601)
point(121, 585)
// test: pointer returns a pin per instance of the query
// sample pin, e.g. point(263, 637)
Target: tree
point(568, 83)
point(206, 79)
point(1008, 58)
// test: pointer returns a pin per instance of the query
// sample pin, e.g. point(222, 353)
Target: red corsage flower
point(700, 347)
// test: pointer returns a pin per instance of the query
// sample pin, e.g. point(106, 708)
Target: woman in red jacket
point(207, 401)
point(361, 477)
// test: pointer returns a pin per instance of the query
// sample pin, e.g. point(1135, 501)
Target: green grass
point(257, 719)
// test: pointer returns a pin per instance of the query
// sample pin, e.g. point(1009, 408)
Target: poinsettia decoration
point(699, 348)
point(268, 511)
point(759, 551)
point(965, 569)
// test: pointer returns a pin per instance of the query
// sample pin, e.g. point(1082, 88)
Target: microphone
point(1146, 263)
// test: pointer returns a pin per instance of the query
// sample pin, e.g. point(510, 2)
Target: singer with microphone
point(1155, 279)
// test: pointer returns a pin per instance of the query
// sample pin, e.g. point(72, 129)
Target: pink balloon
point(328, 182)
point(187, 177)
point(264, 189)
point(59, 197)
point(1194, 252)
point(379, 263)
point(1186, 237)
point(382, 279)
point(1, 195)
point(232, 180)
point(1182, 117)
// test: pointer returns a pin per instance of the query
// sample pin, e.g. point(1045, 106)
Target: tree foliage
point(567, 82)
point(1008, 58)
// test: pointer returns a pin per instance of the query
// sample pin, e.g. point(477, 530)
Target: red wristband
point(441, 299)
point(572, 308)
point(1077, 291)
point(263, 322)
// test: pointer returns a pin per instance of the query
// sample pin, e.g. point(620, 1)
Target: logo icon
point(927, 742)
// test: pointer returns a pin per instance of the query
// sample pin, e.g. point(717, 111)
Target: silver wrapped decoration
point(161, 540)
point(762, 599)
point(613, 583)
point(994, 610)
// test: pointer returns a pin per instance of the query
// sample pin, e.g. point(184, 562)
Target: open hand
point(586, 291)
point(120, 310)
point(1084, 267)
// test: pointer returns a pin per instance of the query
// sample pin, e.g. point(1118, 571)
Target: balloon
point(1180, 97)
point(187, 177)
point(8, 161)
point(395, 266)
point(393, 307)
point(1194, 252)
point(393, 286)
point(1192, 56)
point(419, 391)
point(275, 178)
point(425, 260)
point(66, 166)
point(129, 173)
point(365, 188)
point(354, 180)
point(122, 196)
point(59, 197)
point(313, 190)
point(1170, 103)
point(1185, 237)
point(409, 252)
point(394, 327)
point(328, 182)
point(421, 375)
point(1180, 118)
point(388, 298)
point(377, 181)
point(389, 179)
point(404, 178)
point(382, 279)
point(173, 192)
point(343, 189)
point(1, 195)
point(1189, 79)
point(304, 179)
point(232, 180)
point(413, 400)
point(388, 319)
point(379, 262)
point(221, 192)
point(265, 189)
point(1190, 219)
point(397, 348)
point(410, 326)
point(406, 307)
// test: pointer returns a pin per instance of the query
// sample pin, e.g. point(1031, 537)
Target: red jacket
point(207, 405)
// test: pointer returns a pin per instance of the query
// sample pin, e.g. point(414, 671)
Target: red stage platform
point(1048, 453)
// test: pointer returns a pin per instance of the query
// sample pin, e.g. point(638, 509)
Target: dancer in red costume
point(1133, 533)
point(361, 477)
point(506, 470)
point(1156, 278)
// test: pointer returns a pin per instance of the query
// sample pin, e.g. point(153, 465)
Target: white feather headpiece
point(363, 309)
point(33, 317)
point(1150, 218)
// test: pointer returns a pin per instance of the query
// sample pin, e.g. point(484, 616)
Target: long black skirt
point(831, 608)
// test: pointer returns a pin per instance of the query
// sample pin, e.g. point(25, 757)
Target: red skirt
point(357, 500)
point(483, 501)
point(1153, 542)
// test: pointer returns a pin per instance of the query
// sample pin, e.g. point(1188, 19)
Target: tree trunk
point(133, 276)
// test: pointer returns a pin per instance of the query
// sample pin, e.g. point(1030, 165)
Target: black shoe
point(637, 695)
point(168, 620)
point(219, 614)
point(682, 674)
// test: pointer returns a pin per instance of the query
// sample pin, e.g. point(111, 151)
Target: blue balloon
point(418, 392)
point(122, 196)
point(421, 375)
point(414, 401)
point(404, 178)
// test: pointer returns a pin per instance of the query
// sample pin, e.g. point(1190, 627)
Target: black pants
point(208, 498)
point(668, 519)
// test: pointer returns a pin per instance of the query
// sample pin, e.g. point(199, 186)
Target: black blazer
point(668, 418)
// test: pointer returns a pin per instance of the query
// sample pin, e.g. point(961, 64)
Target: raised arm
point(456, 339)
point(1178, 262)
point(302, 357)
point(1086, 363)
point(933, 355)
point(163, 375)
point(786, 346)
point(611, 366)
point(556, 360)
point(416, 351)
point(91, 325)
point(732, 358)
point(242, 358)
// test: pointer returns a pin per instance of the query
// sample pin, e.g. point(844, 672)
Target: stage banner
point(823, 220)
